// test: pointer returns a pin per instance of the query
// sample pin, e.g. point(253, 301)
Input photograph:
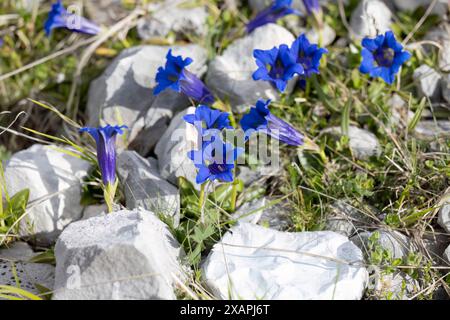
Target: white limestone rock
point(260, 211)
point(371, 17)
point(363, 143)
point(253, 262)
point(249, 176)
point(445, 85)
point(444, 56)
point(395, 286)
point(430, 129)
point(144, 187)
point(427, 81)
point(444, 211)
point(313, 35)
point(123, 255)
point(397, 244)
point(173, 15)
point(346, 219)
point(54, 180)
point(95, 210)
point(173, 147)
point(105, 12)
point(400, 114)
point(447, 254)
point(17, 251)
point(440, 8)
point(36, 278)
point(230, 74)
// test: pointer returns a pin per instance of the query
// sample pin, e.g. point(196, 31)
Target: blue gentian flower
point(215, 161)
point(208, 120)
point(261, 119)
point(308, 55)
point(383, 56)
point(271, 14)
point(58, 17)
point(312, 6)
point(175, 76)
point(105, 138)
point(277, 65)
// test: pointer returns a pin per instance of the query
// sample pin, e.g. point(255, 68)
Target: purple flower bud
point(58, 17)
point(261, 119)
point(105, 138)
point(312, 6)
point(277, 10)
point(175, 76)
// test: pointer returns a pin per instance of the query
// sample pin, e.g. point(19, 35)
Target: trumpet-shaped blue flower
point(312, 6)
point(383, 56)
point(208, 120)
point(215, 161)
point(277, 65)
point(105, 138)
point(59, 17)
point(308, 55)
point(261, 119)
point(175, 76)
point(271, 14)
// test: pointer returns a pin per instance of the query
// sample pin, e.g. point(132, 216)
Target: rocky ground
point(370, 220)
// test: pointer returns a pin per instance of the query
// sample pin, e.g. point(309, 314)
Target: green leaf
point(18, 203)
point(222, 194)
point(202, 233)
point(189, 198)
point(345, 122)
point(415, 120)
point(326, 100)
point(47, 257)
point(356, 78)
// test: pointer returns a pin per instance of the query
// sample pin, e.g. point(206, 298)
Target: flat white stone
point(444, 211)
point(396, 243)
point(440, 8)
point(371, 17)
point(54, 180)
point(445, 84)
point(173, 15)
point(95, 210)
point(261, 211)
point(363, 143)
point(313, 35)
point(253, 262)
point(123, 255)
point(32, 277)
point(427, 81)
point(173, 147)
point(395, 286)
point(144, 187)
point(447, 254)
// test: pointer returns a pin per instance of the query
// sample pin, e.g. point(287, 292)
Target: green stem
point(320, 37)
point(201, 202)
point(109, 192)
point(234, 192)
